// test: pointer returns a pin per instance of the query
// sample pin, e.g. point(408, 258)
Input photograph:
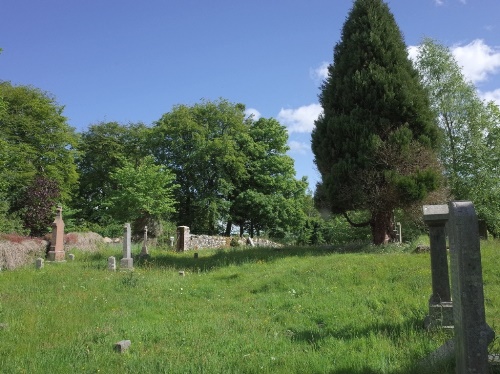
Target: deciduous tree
point(470, 151)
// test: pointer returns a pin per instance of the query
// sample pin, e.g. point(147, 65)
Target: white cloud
point(253, 112)
point(413, 52)
point(477, 59)
point(300, 119)
point(320, 73)
point(491, 96)
point(299, 147)
point(439, 2)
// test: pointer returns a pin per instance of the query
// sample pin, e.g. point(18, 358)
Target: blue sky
point(131, 61)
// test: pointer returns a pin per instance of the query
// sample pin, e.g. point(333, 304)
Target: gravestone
point(127, 262)
point(39, 263)
point(397, 231)
point(71, 256)
point(183, 238)
point(111, 263)
point(144, 251)
point(472, 334)
point(440, 304)
point(172, 241)
point(56, 252)
point(122, 346)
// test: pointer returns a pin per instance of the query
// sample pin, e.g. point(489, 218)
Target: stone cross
point(56, 252)
point(183, 238)
point(472, 334)
point(144, 250)
point(440, 305)
point(127, 262)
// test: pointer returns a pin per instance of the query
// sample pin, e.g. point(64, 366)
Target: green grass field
point(289, 310)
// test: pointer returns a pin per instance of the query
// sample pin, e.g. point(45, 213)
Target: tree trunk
point(381, 224)
point(229, 227)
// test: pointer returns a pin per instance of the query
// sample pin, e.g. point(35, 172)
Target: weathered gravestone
point(56, 252)
point(440, 304)
point(127, 262)
point(39, 263)
point(111, 263)
point(183, 238)
point(144, 251)
point(472, 334)
point(469, 346)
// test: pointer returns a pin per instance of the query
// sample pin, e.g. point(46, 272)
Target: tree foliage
point(373, 144)
point(35, 142)
point(145, 190)
point(470, 151)
point(103, 149)
point(230, 168)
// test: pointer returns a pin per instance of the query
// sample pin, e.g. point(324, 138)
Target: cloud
point(300, 119)
point(299, 147)
point(320, 73)
point(253, 112)
point(491, 96)
point(477, 59)
point(439, 2)
point(413, 52)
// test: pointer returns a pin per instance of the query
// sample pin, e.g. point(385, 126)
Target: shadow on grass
point(396, 332)
point(214, 259)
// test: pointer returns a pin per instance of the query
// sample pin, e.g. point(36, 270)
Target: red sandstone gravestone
point(56, 252)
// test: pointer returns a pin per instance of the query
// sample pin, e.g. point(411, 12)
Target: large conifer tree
point(373, 144)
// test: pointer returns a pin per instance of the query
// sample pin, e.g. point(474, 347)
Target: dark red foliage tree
point(40, 200)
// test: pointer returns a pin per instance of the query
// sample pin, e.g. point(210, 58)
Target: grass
point(289, 310)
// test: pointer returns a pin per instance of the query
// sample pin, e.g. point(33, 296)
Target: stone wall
point(207, 242)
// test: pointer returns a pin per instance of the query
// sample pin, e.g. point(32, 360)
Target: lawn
point(242, 310)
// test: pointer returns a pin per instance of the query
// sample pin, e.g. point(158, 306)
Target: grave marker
point(127, 262)
point(472, 334)
point(440, 304)
point(111, 263)
point(56, 252)
point(144, 251)
point(182, 238)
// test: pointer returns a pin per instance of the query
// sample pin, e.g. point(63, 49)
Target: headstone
point(196, 255)
point(172, 241)
point(71, 256)
point(144, 251)
point(183, 238)
point(182, 273)
point(122, 346)
point(472, 334)
point(111, 263)
point(127, 262)
point(56, 252)
point(399, 236)
point(440, 304)
point(39, 263)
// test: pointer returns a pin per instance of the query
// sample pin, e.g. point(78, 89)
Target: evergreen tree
point(374, 142)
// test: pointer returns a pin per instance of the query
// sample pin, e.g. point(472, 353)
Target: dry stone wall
point(206, 242)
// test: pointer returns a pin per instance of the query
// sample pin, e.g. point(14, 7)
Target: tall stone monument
point(440, 304)
point(472, 334)
point(127, 262)
point(56, 252)
point(183, 238)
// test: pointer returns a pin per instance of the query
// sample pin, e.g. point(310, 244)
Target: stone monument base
point(56, 256)
point(440, 315)
point(127, 263)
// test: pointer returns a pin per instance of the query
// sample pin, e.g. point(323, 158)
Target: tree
point(36, 142)
point(470, 151)
point(103, 149)
point(144, 192)
point(374, 142)
point(269, 197)
point(230, 169)
point(40, 200)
